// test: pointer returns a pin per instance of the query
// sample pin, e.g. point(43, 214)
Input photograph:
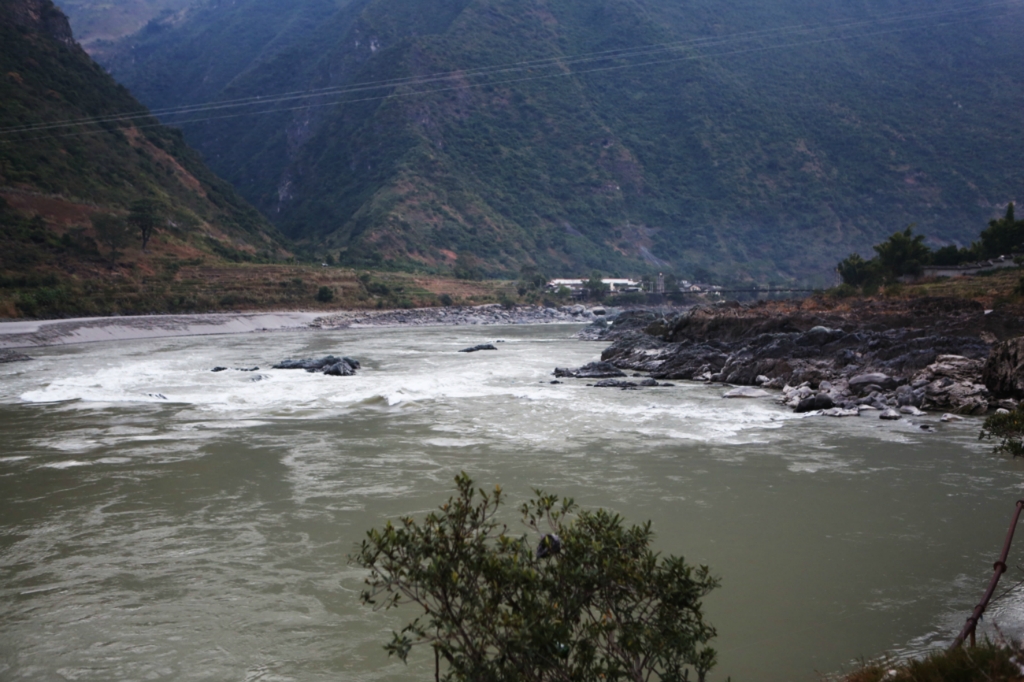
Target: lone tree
point(593, 602)
point(144, 216)
point(595, 286)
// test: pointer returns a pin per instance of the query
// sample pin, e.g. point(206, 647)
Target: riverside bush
point(987, 662)
point(1008, 428)
point(594, 602)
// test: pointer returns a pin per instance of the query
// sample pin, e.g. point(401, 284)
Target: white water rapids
point(161, 521)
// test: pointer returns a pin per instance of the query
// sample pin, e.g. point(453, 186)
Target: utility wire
point(561, 61)
point(414, 82)
point(552, 61)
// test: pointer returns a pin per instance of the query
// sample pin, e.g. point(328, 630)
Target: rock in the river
point(330, 365)
point(924, 353)
point(339, 369)
point(821, 401)
point(1003, 372)
point(746, 392)
point(890, 414)
point(593, 370)
point(615, 383)
point(911, 410)
point(479, 346)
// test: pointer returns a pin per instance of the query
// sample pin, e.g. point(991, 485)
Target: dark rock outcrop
point(593, 370)
point(922, 353)
point(329, 365)
point(1003, 371)
point(821, 401)
point(479, 346)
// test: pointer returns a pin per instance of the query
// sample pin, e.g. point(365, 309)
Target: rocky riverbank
point(459, 316)
point(840, 358)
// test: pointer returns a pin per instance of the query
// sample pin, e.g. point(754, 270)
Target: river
point(162, 521)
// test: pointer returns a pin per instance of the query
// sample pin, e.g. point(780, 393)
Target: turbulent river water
point(161, 521)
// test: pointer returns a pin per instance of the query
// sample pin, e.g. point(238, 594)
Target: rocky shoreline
point(886, 358)
point(454, 316)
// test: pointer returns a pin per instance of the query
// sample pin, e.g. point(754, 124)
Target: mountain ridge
point(769, 159)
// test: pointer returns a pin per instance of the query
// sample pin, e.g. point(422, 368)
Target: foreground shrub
point(593, 602)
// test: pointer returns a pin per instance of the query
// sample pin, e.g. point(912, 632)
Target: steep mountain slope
point(55, 178)
point(748, 139)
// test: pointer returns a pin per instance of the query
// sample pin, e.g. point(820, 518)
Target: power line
point(484, 71)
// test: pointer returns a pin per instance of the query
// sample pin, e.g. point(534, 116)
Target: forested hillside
point(109, 199)
point(730, 138)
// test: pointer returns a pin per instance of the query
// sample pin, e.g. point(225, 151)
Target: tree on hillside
point(1002, 237)
point(593, 602)
point(856, 271)
point(903, 253)
point(112, 232)
point(951, 255)
point(145, 215)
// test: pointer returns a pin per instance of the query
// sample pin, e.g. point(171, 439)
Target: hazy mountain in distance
point(96, 22)
point(750, 139)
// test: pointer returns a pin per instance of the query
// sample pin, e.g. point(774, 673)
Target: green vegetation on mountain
point(905, 254)
point(97, 204)
point(770, 140)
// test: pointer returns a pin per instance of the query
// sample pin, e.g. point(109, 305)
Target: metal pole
point(999, 567)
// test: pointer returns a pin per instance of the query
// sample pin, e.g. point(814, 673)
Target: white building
point(614, 284)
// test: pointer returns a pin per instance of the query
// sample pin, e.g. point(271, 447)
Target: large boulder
point(821, 401)
point(1003, 372)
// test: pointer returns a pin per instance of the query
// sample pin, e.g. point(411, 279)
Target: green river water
point(160, 521)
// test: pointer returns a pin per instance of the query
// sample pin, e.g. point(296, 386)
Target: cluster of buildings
point(617, 285)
